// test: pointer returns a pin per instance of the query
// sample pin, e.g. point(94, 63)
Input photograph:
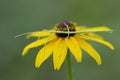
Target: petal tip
point(58, 69)
point(23, 53)
point(55, 68)
point(79, 60)
point(99, 62)
point(112, 48)
point(37, 66)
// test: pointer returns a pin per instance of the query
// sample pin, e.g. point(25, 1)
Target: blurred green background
point(19, 16)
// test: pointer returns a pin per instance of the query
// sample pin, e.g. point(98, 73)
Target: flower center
point(65, 26)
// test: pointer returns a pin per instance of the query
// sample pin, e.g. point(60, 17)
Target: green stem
point(69, 66)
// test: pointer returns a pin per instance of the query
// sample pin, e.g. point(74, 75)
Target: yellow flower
point(63, 37)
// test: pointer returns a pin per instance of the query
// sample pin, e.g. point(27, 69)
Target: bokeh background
point(19, 16)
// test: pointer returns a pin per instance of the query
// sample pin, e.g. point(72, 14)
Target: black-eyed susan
point(63, 37)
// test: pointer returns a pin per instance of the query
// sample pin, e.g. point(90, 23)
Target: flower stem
point(69, 66)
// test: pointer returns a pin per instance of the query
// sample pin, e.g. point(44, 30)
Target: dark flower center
point(65, 26)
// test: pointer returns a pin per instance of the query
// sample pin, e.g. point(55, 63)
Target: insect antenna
point(19, 35)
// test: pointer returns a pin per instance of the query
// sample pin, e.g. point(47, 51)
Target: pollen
point(65, 26)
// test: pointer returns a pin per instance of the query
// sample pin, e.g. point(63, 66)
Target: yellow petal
point(74, 48)
point(78, 28)
point(59, 53)
point(39, 34)
point(55, 61)
point(99, 40)
point(94, 35)
point(91, 51)
point(101, 28)
point(44, 53)
point(37, 43)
